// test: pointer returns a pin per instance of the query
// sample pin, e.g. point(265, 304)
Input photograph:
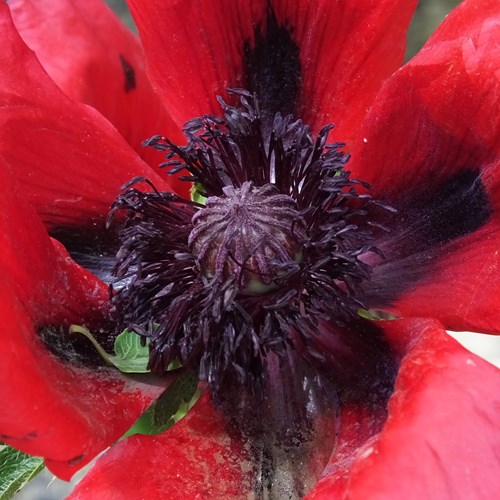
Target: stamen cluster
point(275, 249)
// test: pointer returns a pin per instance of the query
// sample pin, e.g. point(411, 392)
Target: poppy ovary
point(252, 233)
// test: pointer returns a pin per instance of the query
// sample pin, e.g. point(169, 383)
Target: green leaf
point(173, 404)
point(376, 315)
point(16, 469)
point(130, 355)
point(198, 193)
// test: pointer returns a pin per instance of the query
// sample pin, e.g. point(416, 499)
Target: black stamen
point(276, 248)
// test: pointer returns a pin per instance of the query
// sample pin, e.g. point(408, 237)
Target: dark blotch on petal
point(26, 437)
point(272, 67)
point(456, 208)
point(290, 434)
point(92, 247)
point(423, 227)
point(76, 460)
point(73, 348)
point(129, 73)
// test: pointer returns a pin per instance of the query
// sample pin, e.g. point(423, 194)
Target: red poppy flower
point(343, 406)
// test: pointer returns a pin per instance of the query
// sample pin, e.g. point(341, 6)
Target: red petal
point(441, 437)
point(462, 288)
point(70, 160)
point(90, 54)
point(64, 412)
point(178, 471)
point(434, 137)
point(228, 453)
point(468, 20)
point(196, 50)
point(195, 459)
point(442, 392)
point(434, 117)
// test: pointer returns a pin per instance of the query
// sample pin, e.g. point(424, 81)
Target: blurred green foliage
point(428, 16)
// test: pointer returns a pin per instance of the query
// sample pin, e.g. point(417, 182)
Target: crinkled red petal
point(441, 438)
point(211, 454)
point(468, 20)
point(435, 116)
point(423, 449)
point(96, 60)
point(197, 458)
point(52, 408)
point(431, 147)
point(69, 159)
point(197, 49)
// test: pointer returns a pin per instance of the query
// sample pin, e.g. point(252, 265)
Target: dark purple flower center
point(248, 233)
point(278, 246)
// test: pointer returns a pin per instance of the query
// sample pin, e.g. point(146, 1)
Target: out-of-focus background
point(428, 15)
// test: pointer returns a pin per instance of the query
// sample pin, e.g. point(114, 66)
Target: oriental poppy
point(263, 289)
